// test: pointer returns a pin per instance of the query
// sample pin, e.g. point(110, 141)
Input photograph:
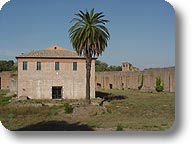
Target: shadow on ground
point(108, 97)
point(56, 126)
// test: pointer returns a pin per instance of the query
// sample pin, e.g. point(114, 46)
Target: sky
point(142, 32)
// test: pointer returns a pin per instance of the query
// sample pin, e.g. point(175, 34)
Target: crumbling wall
point(114, 80)
point(8, 80)
point(125, 79)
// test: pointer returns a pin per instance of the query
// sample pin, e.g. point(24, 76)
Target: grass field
point(118, 110)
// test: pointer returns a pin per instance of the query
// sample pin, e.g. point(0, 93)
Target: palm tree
point(89, 37)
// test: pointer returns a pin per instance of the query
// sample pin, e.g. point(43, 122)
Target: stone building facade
point(132, 77)
point(53, 73)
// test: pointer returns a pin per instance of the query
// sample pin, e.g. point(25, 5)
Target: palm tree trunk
point(88, 69)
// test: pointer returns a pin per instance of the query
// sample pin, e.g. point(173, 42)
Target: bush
point(5, 100)
point(159, 85)
point(68, 108)
point(3, 92)
point(141, 85)
point(109, 110)
point(119, 127)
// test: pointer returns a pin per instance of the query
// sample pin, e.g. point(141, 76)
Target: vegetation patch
point(119, 127)
point(68, 108)
point(159, 85)
point(4, 100)
point(126, 110)
point(141, 83)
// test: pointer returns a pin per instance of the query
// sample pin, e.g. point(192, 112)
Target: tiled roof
point(51, 52)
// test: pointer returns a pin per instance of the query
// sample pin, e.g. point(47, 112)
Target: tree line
point(102, 66)
point(7, 65)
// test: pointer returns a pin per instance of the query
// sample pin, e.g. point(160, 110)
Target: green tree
point(141, 84)
point(102, 66)
point(7, 65)
point(89, 37)
point(159, 85)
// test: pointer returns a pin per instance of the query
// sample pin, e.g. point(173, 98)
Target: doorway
point(56, 92)
point(111, 86)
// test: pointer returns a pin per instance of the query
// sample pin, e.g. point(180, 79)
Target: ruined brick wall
point(4, 80)
point(102, 80)
point(8, 80)
point(125, 79)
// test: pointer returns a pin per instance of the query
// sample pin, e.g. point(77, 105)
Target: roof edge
point(52, 57)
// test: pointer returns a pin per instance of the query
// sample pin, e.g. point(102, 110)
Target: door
point(56, 92)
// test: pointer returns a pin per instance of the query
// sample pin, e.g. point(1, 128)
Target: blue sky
point(142, 31)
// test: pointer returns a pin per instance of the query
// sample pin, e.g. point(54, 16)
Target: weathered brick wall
point(4, 79)
point(124, 80)
point(8, 80)
point(38, 84)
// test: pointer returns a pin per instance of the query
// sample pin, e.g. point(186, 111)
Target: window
point(38, 65)
point(24, 65)
point(74, 66)
point(57, 66)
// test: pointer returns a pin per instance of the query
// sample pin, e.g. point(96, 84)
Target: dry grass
point(130, 109)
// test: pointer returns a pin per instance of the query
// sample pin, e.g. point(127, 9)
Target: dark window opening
point(0, 82)
point(55, 47)
point(38, 66)
point(24, 65)
point(74, 66)
point(111, 86)
point(56, 92)
point(57, 66)
point(122, 86)
point(98, 85)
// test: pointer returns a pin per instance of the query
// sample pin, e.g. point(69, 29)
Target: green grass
point(136, 111)
point(4, 100)
point(139, 111)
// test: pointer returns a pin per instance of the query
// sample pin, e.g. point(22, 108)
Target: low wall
point(125, 80)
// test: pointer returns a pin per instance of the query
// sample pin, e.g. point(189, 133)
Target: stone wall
point(8, 80)
point(129, 67)
point(103, 80)
point(127, 79)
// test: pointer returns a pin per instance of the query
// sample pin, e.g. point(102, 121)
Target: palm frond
point(88, 35)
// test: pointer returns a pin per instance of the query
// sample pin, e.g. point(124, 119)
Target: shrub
point(3, 92)
point(141, 85)
point(159, 85)
point(68, 108)
point(119, 127)
point(109, 110)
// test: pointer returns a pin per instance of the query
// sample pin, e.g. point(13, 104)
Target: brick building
point(53, 73)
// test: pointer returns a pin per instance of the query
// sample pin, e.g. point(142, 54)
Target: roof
point(54, 51)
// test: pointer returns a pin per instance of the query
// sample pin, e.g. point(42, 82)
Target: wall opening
point(122, 86)
point(56, 92)
point(111, 86)
point(0, 82)
point(98, 85)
